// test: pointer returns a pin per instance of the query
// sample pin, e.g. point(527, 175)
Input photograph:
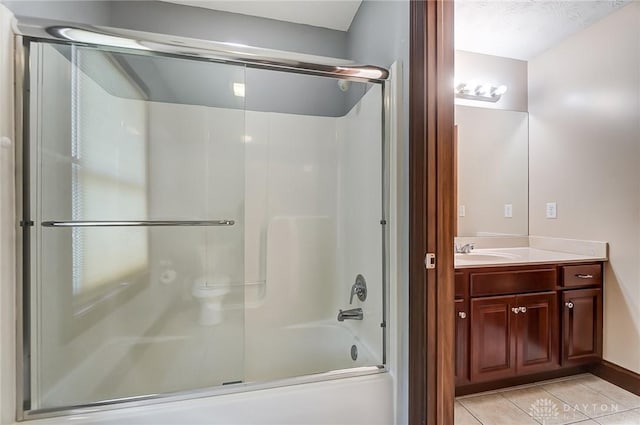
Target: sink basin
point(486, 256)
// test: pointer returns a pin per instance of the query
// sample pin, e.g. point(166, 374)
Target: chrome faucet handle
point(359, 291)
point(464, 249)
point(359, 288)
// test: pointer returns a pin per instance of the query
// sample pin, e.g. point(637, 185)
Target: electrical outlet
point(462, 211)
point(552, 210)
point(508, 211)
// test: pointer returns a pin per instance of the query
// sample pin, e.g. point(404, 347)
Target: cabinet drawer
point(582, 275)
point(511, 282)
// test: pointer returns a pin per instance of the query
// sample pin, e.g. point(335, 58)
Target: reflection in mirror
point(492, 171)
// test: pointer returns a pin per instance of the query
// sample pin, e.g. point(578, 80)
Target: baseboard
point(624, 378)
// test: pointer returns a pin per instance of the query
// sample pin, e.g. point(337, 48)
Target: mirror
point(492, 171)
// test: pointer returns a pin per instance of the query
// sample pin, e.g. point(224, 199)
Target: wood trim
point(419, 405)
point(617, 375)
point(431, 213)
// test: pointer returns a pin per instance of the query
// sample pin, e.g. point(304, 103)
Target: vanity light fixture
point(484, 92)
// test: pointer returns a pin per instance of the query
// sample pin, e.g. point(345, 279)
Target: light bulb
point(462, 88)
point(483, 90)
point(500, 90)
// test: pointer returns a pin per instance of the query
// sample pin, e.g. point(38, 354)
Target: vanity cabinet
point(517, 321)
point(512, 335)
point(581, 306)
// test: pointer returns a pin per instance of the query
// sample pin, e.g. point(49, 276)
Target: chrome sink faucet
point(353, 314)
point(464, 249)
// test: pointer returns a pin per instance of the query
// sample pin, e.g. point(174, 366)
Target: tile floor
point(582, 399)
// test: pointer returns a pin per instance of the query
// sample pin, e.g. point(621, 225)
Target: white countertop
point(518, 256)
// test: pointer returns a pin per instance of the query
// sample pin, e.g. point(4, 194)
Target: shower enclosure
point(197, 218)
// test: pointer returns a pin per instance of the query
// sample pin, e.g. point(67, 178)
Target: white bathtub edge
point(333, 402)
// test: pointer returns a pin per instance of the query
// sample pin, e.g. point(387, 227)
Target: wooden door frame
point(431, 213)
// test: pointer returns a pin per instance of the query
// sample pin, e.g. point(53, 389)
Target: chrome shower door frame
point(45, 31)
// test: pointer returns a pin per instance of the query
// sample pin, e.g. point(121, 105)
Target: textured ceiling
point(525, 28)
point(334, 14)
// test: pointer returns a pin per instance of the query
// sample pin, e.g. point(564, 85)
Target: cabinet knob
point(584, 276)
point(462, 315)
point(523, 309)
point(569, 304)
point(515, 310)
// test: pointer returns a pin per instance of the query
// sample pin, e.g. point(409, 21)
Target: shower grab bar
point(146, 223)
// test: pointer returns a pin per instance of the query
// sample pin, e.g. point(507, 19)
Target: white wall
point(584, 107)
point(359, 230)
point(497, 71)
point(291, 179)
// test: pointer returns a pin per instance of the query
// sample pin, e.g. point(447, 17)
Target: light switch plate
point(461, 211)
point(508, 211)
point(552, 210)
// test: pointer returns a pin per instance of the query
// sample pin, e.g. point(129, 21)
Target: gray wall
point(186, 21)
point(167, 18)
point(266, 91)
point(86, 12)
point(276, 92)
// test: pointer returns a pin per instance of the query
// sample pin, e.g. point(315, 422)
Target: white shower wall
point(359, 249)
point(312, 210)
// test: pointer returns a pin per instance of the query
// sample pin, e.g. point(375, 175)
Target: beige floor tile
point(588, 422)
point(584, 399)
point(544, 407)
point(463, 417)
point(612, 391)
point(629, 417)
point(494, 409)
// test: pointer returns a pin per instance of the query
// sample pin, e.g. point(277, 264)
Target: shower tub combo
point(203, 225)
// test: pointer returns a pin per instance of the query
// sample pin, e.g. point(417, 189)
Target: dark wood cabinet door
point(581, 326)
point(537, 335)
point(493, 345)
point(462, 342)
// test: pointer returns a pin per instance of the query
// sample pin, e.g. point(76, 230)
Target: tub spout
point(353, 314)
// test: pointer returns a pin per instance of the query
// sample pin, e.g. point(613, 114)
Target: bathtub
point(304, 349)
point(363, 400)
point(295, 374)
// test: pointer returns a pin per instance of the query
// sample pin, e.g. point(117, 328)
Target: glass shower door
point(137, 198)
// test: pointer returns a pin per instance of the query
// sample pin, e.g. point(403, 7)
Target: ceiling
point(519, 29)
point(522, 29)
point(333, 14)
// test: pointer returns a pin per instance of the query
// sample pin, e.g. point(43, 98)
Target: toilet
point(210, 292)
